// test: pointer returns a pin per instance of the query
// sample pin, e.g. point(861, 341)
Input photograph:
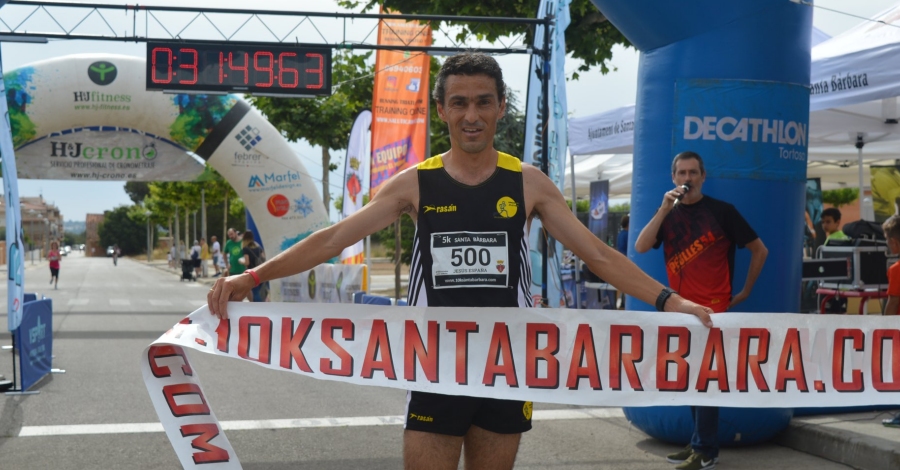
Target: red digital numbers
point(317, 71)
point(241, 68)
point(245, 68)
point(283, 68)
point(267, 69)
point(190, 66)
point(168, 64)
point(169, 57)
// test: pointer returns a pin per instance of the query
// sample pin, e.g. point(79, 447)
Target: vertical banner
point(354, 175)
point(598, 218)
point(400, 100)
point(556, 136)
point(14, 244)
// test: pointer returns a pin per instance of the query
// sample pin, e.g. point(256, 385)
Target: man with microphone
point(700, 235)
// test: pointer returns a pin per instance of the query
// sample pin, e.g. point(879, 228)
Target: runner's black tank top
point(471, 247)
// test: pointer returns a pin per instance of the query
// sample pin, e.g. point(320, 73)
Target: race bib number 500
point(469, 259)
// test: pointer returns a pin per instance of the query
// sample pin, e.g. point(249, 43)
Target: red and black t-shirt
point(700, 241)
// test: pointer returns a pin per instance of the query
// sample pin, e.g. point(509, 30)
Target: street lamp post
point(31, 213)
point(149, 248)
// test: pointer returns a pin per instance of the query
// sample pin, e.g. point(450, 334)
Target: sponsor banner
point(554, 356)
point(598, 217)
point(102, 153)
point(739, 134)
point(557, 136)
point(14, 244)
point(400, 101)
point(609, 132)
point(354, 176)
point(35, 341)
point(325, 284)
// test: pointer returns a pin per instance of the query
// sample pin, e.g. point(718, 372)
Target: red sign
point(278, 205)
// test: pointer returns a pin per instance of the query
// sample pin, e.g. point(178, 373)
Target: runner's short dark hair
point(468, 63)
point(687, 156)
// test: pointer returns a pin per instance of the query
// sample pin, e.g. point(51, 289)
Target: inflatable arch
point(723, 65)
point(89, 117)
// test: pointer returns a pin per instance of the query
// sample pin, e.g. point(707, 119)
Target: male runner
point(491, 198)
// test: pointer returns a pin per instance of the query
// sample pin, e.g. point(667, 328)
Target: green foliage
point(407, 233)
point(73, 239)
point(840, 197)
point(126, 227)
point(589, 38)
point(137, 191)
point(624, 208)
point(581, 205)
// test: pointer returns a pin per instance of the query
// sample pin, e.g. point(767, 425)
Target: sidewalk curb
point(840, 445)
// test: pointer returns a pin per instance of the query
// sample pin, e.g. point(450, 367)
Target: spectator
point(204, 257)
point(831, 224)
point(233, 253)
point(891, 228)
point(253, 256)
point(216, 251)
point(195, 257)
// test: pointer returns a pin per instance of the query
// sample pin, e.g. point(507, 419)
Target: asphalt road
point(98, 414)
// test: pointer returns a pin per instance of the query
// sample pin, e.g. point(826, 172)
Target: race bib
point(469, 259)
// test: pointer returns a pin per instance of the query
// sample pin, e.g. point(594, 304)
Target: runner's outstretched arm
point(543, 199)
point(399, 195)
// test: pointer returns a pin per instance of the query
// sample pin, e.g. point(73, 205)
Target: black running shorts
point(453, 415)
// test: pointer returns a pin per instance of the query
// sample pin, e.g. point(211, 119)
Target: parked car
point(66, 250)
point(110, 250)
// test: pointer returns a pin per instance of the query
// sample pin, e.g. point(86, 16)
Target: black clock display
point(238, 68)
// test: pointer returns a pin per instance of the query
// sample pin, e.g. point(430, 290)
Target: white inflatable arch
point(89, 117)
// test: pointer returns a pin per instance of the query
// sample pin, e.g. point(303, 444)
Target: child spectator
point(831, 224)
point(892, 233)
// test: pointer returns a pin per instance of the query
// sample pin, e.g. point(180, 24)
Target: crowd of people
point(240, 253)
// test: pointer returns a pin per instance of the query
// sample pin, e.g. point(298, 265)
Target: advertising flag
point(14, 243)
point(556, 137)
point(400, 100)
point(354, 175)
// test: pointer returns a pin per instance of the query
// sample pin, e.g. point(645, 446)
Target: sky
point(592, 93)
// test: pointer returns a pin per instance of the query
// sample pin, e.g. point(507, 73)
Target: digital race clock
point(238, 68)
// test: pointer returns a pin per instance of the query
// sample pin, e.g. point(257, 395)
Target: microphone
point(686, 187)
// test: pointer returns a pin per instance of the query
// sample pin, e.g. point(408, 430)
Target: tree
point(137, 191)
point(121, 226)
point(590, 37)
point(325, 121)
point(840, 197)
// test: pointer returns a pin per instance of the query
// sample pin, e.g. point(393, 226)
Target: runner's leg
point(430, 451)
point(486, 450)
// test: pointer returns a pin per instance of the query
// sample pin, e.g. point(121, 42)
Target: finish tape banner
point(592, 358)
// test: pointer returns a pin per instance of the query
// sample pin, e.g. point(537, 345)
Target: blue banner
point(744, 129)
point(14, 243)
point(557, 137)
point(34, 337)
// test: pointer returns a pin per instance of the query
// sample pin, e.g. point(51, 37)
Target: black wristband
point(663, 297)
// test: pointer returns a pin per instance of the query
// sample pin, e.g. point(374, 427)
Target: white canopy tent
point(855, 84)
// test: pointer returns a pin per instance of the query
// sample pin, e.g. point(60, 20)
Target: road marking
point(120, 302)
point(79, 301)
point(263, 424)
point(160, 303)
point(197, 303)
